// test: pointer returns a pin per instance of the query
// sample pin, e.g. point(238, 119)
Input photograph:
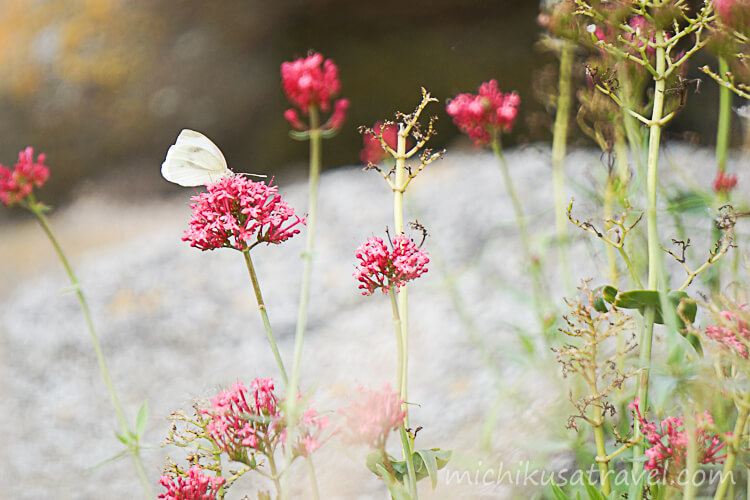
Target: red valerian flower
point(735, 337)
point(238, 213)
point(312, 82)
point(17, 184)
point(724, 183)
point(485, 114)
point(239, 422)
point(371, 419)
point(668, 442)
point(196, 486)
point(734, 13)
point(382, 268)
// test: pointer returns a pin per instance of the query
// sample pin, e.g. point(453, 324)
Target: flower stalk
point(523, 230)
point(264, 314)
point(559, 143)
point(38, 210)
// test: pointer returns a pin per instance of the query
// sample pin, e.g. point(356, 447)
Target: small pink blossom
point(17, 184)
point(724, 183)
point(239, 421)
point(666, 456)
point(485, 114)
point(371, 419)
point(312, 82)
point(238, 213)
point(196, 486)
point(735, 337)
point(382, 268)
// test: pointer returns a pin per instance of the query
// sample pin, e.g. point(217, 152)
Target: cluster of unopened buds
point(483, 115)
point(238, 213)
point(381, 267)
point(18, 183)
point(668, 442)
point(311, 82)
point(723, 182)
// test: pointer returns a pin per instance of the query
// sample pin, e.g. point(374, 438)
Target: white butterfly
point(194, 161)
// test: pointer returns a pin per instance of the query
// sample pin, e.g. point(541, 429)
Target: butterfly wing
point(194, 160)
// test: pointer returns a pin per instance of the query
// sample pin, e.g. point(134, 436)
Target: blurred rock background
point(104, 86)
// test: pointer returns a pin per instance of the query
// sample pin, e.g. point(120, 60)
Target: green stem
point(399, 343)
point(725, 115)
point(559, 143)
point(313, 477)
point(654, 248)
point(264, 314)
point(733, 448)
point(521, 222)
point(407, 443)
point(292, 388)
point(312, 217)
point(36, 209)
point(601, 451)
point(400, 181)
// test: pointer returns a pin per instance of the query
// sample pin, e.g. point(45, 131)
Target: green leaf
point(602, 295)
point(599, 304)
point(637, 299)
point(432, 459)
point(679, 301)
point(592, 492)
point(397, 490)
point(141, 419)
point(124, 439)
point(299, 136)
point(690, 201)
point(559, 495)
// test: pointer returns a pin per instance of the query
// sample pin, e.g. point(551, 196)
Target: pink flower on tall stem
point(238, 213)
point(17, 184)
point(313, 82)
point(371, 419)
point(382, 268)
point(723, 182)
point(485, 115)
point(735, 337)
point(196, 486)
point(667, 452)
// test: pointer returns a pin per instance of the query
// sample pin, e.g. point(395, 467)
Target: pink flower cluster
point(735, 13)
point(311, 426)
point(724, 183)
point(309, 82)
point(668, 442)
point(238, 425)
point(17, 184)
point(238, 213)
point(382, 268)
point(729, 335)
point(243, 422)
point(377, 413)
point(195, 486)
point(483, 115)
